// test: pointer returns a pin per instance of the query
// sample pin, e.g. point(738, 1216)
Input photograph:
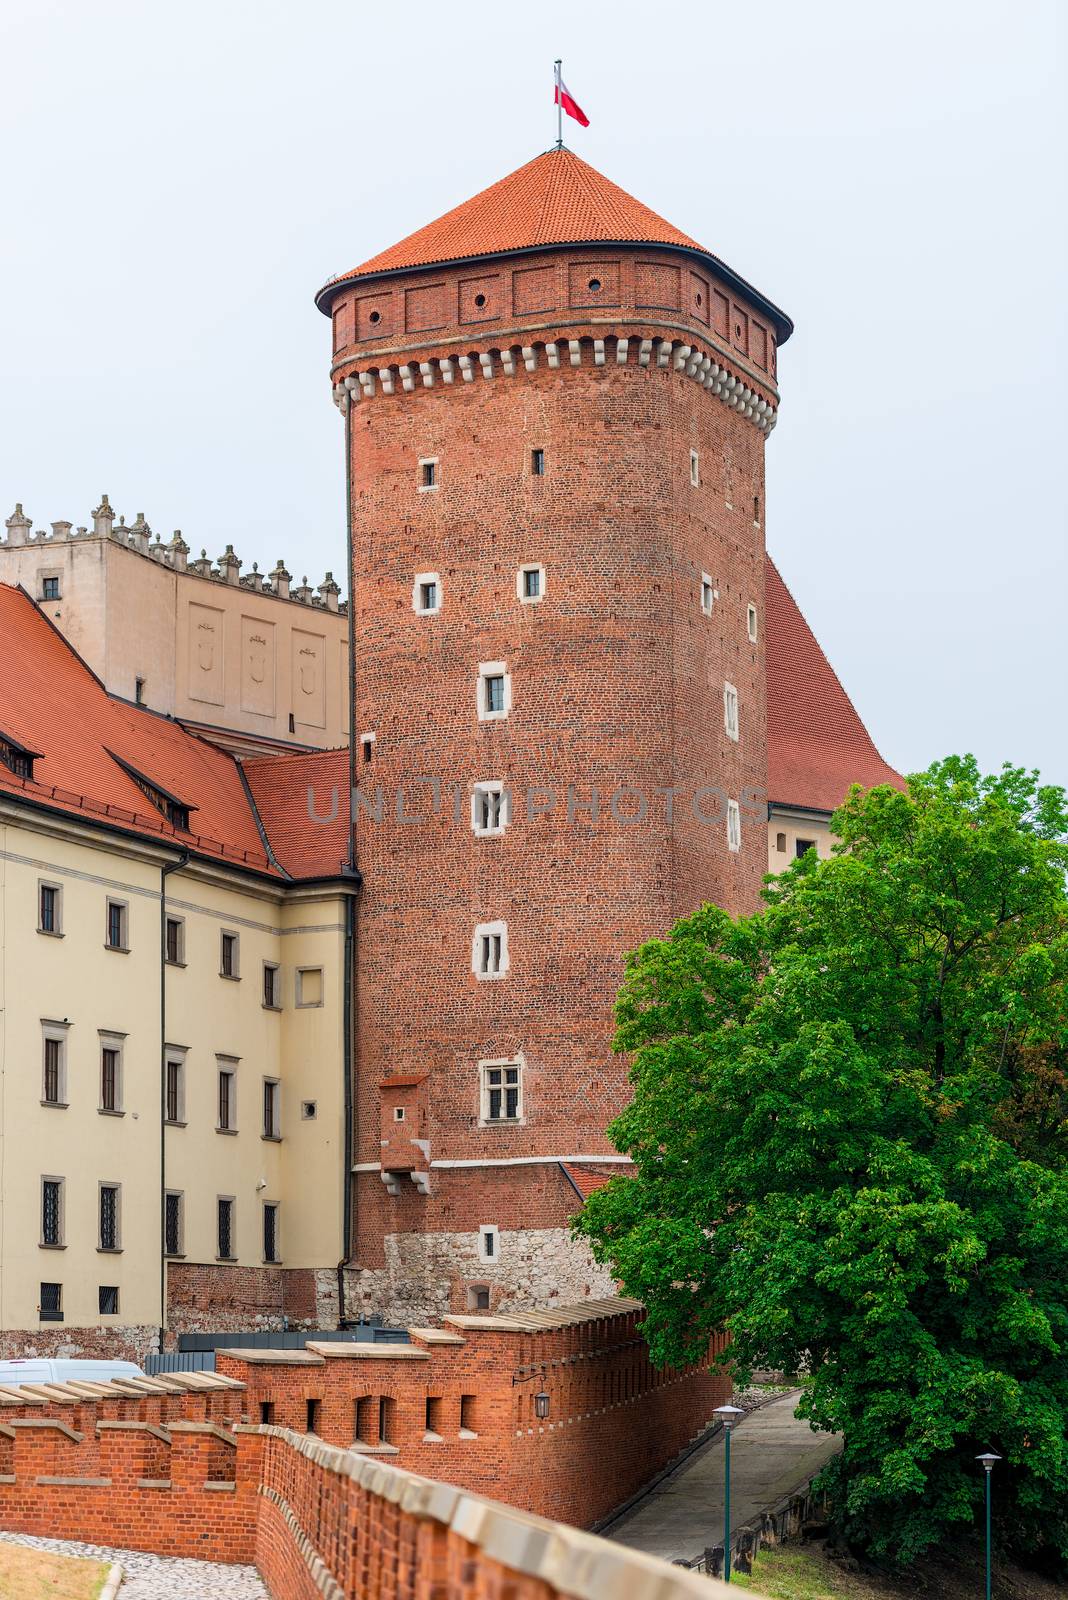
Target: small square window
point(426, 594)
point(309, 986)
point(489, 954)
point(530, 583)
point(751, 623)
point(708, 594)
point(50, 588)
point(108, 1300)
point(428, 473)
point(537, 463)
point(695, 468)
point(502, 1091)
point(50, 908)
point(803, 846)
point(730, 710)
point(115, 928)
point(478, 1297)
point(229, 952)
point(398, 1113)
point(734, 826)
point(491, 808)
point(51, 1307)
point(309, 1110)
point(494, 691)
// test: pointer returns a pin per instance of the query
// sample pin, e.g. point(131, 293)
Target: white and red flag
point(567, 102)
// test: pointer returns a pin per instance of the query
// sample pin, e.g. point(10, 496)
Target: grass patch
point(788, 1573)
point(27, 1574)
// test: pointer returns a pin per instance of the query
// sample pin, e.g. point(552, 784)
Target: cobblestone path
point(160, 1577)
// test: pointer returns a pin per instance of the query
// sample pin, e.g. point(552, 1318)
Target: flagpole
point(559, 105)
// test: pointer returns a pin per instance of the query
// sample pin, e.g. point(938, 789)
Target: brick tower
point(556, 406)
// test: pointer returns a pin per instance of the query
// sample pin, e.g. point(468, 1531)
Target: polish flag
point(564, 99)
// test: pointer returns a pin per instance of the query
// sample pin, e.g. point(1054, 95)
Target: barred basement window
point(270, 1232)
point(501, 1091)
point(52, 1211)
point(108, 1300)
point(109, 1216)
point(172, 1223)
point(51, 1307)
point(225, 1228)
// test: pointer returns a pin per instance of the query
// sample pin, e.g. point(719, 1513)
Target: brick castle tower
point(556, 406)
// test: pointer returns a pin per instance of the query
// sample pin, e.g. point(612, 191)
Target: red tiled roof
point(291, 793)
point(587, 1179)
point(556, 199)
point(817, 744)
point(52, 704)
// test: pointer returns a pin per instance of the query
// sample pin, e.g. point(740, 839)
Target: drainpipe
point(165, 872)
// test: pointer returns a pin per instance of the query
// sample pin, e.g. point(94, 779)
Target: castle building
point(247, 660)
point(264, 1061)
point(556, 408)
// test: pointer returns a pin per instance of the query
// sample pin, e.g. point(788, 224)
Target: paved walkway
point(160, 1577)
point(772, 1455)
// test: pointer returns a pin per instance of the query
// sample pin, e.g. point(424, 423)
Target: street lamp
point(988, 1460)
point(730, 1416)
point(541, 1405)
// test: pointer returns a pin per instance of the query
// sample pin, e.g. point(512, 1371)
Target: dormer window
point(17, 758)
point(168, 805)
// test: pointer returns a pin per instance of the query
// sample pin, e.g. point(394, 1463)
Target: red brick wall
point(617, 681)
point(614, 1420)
point(222, 1299)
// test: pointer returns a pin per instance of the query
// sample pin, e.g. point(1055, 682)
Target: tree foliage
point(850, 1139)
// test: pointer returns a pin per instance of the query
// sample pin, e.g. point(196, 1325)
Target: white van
point(35, 1369)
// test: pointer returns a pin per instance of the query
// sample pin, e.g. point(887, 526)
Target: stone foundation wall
point(210, 1298)
point(428, 1275)
point(58, 1343)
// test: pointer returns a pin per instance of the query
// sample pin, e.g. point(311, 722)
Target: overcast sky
point(177, 181)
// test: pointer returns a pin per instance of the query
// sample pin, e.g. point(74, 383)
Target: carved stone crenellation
point(138, 537)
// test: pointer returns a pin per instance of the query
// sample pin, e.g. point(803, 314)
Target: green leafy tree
point(850, 1139)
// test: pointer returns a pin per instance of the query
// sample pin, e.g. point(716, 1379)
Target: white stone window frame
point(275, 1137)
point(110, 1040)
point(500, 1063)
point(489, 1243)
point(116, 1248)
point(175, 1054)
point(751, 623)
point(695, 469)
point(44, 577)
point(730, 711)
point(58, 1031)
point(493, 669)
point(57, 908)
point(180, 960)
point(734, 825)
point(491, 786)
point(490, 931)
point(234, 975)
point(709, 594)
point(520, 583)
point(418, 607)
point(427, 461)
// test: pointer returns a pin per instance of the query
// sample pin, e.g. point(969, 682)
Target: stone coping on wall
point(569, 1562)
point(78, 1390)
point(570, 1316)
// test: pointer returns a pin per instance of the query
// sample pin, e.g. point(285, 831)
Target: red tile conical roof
point(556, 199)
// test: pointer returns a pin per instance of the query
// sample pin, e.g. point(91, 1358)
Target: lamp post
point(730, 1416)
point(988, 1459)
